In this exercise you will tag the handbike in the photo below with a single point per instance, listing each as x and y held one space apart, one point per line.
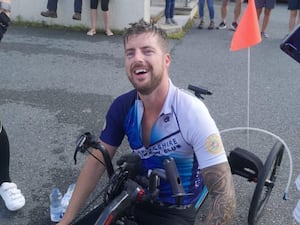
126 188
247 165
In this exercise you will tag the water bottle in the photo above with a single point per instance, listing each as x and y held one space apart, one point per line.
66 199
296 212
298 182
55 205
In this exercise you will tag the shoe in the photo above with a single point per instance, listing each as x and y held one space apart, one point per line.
109 33
168 21
48 13
12 196
222 26
264 35
211 25
173 22
234 26
91 32
76 16
201 24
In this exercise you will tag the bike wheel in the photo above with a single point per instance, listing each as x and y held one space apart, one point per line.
265 184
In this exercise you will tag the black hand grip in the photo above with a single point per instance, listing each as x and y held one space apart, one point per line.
174 180
199 91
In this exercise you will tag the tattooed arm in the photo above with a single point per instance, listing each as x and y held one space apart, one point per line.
218 180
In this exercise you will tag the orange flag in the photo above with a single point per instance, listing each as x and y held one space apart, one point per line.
247 33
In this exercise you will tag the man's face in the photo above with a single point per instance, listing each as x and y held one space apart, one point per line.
146 63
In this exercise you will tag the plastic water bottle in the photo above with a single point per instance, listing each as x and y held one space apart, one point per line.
55 205
296 212
66 199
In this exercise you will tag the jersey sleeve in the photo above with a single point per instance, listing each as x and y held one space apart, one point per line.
202 133
113 131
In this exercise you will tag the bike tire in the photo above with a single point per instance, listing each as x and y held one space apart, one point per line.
265 184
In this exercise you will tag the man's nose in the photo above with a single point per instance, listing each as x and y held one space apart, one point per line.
138 56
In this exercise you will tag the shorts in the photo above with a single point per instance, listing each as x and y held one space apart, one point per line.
294 5
104 4
268 4
149 214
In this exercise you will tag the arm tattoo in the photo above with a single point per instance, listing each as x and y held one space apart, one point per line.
218 179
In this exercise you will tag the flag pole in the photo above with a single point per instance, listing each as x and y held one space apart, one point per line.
248 100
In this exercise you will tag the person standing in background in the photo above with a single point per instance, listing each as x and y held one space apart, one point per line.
236 14
169 12
211 10
105 11
268 5
294 7
11 195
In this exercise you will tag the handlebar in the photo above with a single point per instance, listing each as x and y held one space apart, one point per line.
199 91
86 141
125 182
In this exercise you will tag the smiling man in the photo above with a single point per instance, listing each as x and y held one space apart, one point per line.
161 121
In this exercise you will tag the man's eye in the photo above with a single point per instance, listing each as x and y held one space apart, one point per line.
129 54
148 52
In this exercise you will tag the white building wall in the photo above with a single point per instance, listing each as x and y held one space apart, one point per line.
122 12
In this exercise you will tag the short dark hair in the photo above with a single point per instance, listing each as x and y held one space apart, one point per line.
142 27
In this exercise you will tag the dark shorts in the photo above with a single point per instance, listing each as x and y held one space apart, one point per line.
268 4
104 4
149 214
294 4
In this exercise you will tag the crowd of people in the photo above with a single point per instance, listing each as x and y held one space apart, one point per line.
52 12
262 6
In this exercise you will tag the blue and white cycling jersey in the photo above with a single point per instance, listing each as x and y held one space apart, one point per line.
184 131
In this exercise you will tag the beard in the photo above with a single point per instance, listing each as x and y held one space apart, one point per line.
152 81
148 88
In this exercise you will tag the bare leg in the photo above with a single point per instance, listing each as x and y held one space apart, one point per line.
237 10
258 11
266 20
292 19
92 31
224 10
298 21
106 23
93 19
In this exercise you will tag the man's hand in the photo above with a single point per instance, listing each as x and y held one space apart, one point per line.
218 180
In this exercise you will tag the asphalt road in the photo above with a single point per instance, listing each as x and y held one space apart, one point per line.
56 84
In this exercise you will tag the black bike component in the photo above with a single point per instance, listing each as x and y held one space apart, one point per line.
80 146
124 192
265 184
132 192
245 164
87 140
199 91
174 180
131 163
154 181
